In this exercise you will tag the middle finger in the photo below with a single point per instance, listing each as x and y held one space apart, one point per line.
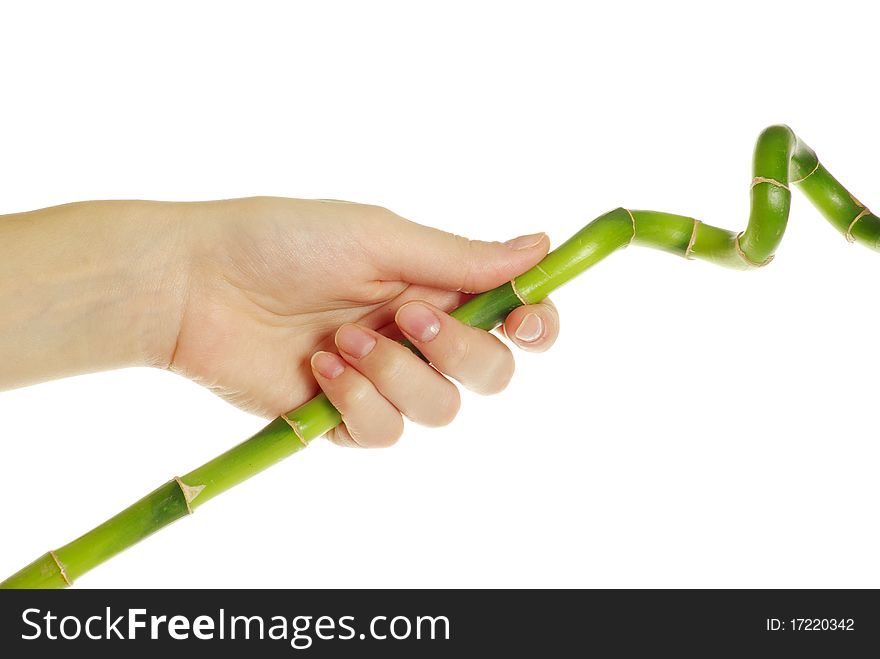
476 358
408 383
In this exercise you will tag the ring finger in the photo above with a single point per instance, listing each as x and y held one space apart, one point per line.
416 389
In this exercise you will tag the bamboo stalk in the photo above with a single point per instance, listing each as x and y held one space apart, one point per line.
780 159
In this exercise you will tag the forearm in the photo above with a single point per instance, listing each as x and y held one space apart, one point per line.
87 287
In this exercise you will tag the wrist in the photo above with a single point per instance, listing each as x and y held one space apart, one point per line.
90 286
152 267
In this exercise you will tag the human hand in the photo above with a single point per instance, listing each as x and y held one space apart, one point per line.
263 300
284 296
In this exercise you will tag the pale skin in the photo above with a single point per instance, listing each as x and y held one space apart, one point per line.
264 301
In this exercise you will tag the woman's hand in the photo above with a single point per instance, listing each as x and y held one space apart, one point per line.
288 295
264 300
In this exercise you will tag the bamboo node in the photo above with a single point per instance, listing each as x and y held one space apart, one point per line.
772 181
812 171
516 292
294 426
742 254
855 201
690 245
633 220
850 238
190 492
61 569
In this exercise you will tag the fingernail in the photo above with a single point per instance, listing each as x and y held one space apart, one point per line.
354 341
327 364
530 329
524 242
418 321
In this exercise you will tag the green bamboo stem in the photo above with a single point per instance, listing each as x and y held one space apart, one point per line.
780 160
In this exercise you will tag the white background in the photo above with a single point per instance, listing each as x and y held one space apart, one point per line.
692 427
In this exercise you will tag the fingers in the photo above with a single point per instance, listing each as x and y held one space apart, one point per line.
382 318
369 420
417 390
374 379
533 327
477 359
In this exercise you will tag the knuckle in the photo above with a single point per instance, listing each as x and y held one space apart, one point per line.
465 247
375 435
353 397
389 370
448 406
456 353
444 406
500 373
376 214
389 437
264 205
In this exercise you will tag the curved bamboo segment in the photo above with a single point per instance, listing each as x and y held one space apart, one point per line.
780 160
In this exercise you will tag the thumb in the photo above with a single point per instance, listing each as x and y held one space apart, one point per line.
430 257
